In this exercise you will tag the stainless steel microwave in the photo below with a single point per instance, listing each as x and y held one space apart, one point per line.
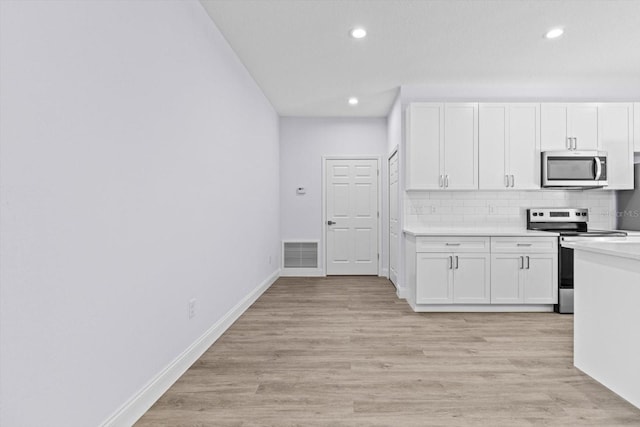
574 169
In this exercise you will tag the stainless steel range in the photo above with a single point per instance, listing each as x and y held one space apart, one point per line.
572 225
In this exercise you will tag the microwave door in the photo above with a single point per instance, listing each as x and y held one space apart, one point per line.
571 169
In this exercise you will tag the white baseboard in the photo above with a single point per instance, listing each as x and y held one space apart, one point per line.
384 273
401 292
140 403
482 308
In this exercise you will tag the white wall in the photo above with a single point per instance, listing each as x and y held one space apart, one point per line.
303 142
139 169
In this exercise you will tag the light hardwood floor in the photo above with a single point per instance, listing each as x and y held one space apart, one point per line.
344 351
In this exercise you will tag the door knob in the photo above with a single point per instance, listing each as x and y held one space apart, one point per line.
330 222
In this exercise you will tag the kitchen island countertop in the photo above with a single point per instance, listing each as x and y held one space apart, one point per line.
624 249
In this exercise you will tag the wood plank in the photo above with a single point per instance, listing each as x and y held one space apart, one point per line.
344 351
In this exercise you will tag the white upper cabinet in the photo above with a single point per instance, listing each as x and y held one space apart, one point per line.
615 129
442 146
424 146
569 126
460 146
509 145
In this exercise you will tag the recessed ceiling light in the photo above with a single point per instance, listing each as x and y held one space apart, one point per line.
353 101
554 33
358 33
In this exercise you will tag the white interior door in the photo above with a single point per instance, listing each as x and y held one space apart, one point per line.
352 216
393 218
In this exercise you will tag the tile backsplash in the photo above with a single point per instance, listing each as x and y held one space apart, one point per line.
502 209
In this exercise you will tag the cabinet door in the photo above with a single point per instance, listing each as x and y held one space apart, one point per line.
492 146
461 146
616 138
424 154
471 279
540 284
506 283
523 156
554 130
434 278
583 125
560 122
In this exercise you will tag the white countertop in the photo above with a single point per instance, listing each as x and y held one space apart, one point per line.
475 231
615 248
631 233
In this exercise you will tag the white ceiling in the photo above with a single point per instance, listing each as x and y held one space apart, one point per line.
301 54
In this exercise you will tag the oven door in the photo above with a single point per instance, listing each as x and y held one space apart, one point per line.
565 281
574 169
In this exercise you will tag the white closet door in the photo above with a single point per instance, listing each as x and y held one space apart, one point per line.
352 216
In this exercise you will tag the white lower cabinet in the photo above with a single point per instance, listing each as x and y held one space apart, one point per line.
524 270
453 271
527 278
452 278
484 270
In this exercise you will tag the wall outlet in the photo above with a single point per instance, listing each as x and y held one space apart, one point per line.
192 308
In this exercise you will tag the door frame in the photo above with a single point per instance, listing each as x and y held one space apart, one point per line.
394 152
324 206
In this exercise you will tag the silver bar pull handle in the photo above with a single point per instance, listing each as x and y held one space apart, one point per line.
440 181
569 143
506 180
527 263
521 263
452 244
456 262
446 181
450 262
513 181
524 244
598 167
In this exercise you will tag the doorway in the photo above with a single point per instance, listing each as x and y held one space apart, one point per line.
351 215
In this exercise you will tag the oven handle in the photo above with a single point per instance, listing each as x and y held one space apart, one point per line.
598 167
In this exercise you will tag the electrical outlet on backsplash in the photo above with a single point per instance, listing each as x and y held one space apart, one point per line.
502 209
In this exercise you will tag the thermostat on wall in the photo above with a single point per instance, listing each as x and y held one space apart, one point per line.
301 190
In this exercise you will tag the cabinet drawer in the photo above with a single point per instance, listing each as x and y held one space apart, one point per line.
524 244
452 244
